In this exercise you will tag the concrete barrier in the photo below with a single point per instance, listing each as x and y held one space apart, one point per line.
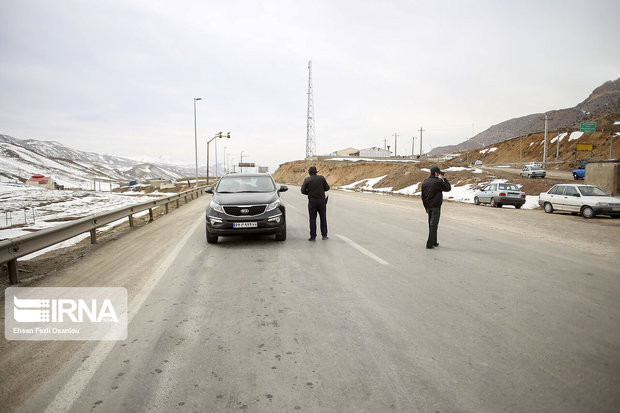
605 175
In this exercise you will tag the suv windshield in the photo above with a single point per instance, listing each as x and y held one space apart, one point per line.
591 190
237 184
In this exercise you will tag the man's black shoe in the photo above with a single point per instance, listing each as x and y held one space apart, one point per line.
311 239
436 245
325 237
429 247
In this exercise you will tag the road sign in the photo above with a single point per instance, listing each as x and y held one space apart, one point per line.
584 146
246 165
263 169
588 127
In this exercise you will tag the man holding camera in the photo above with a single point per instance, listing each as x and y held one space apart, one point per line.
433 188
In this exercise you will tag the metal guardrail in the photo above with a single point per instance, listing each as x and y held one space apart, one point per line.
12 249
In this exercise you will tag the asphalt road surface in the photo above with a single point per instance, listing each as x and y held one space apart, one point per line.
506 315
551 173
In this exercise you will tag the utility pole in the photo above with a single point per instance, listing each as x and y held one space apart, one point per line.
611 144
395 144
412 147
421 130
521 149
547 118
310 140
385 143
240 162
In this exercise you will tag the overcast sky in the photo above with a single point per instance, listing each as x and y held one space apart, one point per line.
119 77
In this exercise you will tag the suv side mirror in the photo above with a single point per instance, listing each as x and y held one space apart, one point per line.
209 190
283 188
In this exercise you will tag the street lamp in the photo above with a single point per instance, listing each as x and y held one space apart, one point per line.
240 162
217 135
196 141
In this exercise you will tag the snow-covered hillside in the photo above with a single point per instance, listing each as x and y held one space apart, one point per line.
20 159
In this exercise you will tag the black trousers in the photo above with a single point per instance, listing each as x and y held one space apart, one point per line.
433 224
317 206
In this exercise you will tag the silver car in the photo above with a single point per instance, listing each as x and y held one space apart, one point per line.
498 194
533 171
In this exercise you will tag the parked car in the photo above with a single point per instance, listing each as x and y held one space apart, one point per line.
539 164
532 171
500 194
478 162
246 203
580 173
587 200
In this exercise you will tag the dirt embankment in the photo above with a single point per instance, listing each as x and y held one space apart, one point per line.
399 174
530 149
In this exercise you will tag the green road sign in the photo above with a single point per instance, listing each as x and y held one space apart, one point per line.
588 127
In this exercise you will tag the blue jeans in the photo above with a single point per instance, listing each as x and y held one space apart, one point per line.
317 206
433 224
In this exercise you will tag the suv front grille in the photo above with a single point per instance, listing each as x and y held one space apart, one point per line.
252 210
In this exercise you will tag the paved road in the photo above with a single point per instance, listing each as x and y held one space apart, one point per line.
551 173
367 321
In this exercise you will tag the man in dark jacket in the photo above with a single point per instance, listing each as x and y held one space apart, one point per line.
432 198
315 187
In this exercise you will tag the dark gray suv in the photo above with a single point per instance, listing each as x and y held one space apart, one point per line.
246 203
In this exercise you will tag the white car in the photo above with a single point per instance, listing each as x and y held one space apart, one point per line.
587 200
531 171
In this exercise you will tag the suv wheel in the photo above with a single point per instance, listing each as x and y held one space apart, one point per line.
281 236
587 212
575 177
211 239
548 208
476 201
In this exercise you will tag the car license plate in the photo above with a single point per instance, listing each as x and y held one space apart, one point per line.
513 195
245 225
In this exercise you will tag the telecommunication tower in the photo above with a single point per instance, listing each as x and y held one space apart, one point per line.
310 142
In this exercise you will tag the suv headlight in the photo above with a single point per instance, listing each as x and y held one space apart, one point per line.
273 205
216 207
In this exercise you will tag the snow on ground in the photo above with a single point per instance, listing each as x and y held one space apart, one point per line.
25 209
463 193
368 186
560 137
489 150
410 190
574 136
372 159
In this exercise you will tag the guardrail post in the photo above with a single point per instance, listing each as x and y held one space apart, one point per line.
178 205
150 214
166 207
131 221
93 236
13 273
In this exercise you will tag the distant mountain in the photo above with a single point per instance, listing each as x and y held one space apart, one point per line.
22 158
604 100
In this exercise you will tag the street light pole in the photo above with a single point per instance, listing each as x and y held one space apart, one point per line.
240 162
225 160
196 141
217 135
